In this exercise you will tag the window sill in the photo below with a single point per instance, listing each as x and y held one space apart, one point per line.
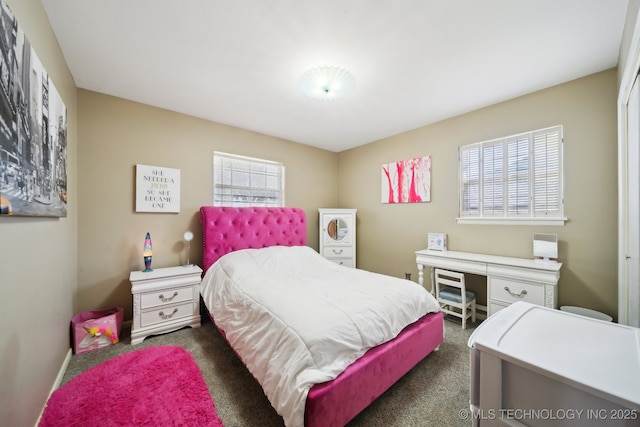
514 221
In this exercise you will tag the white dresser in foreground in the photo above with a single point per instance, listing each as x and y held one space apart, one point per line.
164 300
338 235
535 366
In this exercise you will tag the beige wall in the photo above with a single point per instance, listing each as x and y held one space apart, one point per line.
388 235
116 135
52 268
38 260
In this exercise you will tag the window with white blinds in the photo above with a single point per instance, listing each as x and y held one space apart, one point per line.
247 181
515 178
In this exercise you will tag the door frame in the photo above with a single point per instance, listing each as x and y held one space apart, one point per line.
629 74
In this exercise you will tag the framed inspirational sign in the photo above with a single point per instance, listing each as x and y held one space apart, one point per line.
157 189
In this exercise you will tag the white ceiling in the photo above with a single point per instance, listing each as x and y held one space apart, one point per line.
416 62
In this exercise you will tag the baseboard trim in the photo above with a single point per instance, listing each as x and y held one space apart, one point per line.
62 371
58 381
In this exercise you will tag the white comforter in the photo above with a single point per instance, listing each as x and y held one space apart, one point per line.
297 319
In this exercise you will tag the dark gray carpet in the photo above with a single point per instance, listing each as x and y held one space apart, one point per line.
434 393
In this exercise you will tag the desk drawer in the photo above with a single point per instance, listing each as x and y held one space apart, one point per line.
166 296
511 291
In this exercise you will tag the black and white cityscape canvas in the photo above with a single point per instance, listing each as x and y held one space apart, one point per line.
33 130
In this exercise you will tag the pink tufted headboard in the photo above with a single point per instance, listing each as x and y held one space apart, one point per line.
227 229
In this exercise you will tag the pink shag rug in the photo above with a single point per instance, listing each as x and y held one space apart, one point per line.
156 386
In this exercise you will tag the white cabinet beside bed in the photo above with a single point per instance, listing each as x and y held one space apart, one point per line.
164 300
338 235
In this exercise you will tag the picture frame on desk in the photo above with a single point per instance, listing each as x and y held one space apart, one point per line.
437 241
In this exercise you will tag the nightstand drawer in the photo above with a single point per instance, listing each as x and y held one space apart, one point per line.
167 296
166 314
337 252
511 291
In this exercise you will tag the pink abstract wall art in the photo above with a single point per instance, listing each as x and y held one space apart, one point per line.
406 181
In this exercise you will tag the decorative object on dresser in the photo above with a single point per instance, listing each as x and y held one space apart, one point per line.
509 279
188 237
545 246
338 235
437 241
164 300
147 253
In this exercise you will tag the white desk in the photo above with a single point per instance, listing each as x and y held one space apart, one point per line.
508 279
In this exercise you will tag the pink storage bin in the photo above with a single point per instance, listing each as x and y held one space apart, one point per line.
96 329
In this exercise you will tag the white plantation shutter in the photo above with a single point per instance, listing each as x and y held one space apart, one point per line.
470 180
547 190
247 181
492 179
516 177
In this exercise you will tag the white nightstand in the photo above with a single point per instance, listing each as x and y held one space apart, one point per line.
164 300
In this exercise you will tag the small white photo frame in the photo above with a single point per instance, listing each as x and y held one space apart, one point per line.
437 242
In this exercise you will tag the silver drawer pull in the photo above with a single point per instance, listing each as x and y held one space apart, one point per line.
520 295
167 316
165 299
337 252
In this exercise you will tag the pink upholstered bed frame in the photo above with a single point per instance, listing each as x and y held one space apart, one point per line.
334 403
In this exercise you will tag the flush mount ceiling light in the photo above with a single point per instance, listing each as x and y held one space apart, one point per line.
327 82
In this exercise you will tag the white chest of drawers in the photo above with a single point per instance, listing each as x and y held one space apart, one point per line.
164 300
338 236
